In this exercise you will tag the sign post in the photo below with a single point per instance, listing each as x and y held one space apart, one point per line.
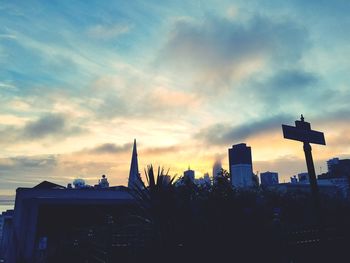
302 132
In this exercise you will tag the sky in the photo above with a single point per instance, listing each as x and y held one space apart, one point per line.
188 79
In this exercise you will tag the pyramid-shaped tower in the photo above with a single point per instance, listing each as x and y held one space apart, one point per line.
134 175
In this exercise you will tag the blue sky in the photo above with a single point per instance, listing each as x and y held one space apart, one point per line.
80 80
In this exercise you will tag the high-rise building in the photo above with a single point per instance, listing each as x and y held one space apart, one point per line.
216 169
241 168
189 175
134 175
268 178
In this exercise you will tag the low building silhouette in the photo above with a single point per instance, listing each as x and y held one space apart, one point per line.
338 174
6 231
336 168
268 178
303 177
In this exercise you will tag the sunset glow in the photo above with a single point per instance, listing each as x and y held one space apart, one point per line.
187 79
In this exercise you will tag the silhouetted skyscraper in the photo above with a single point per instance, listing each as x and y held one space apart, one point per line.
134 175
241 168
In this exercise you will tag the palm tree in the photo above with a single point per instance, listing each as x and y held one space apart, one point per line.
156 204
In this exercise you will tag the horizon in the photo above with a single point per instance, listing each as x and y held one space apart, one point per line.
78 82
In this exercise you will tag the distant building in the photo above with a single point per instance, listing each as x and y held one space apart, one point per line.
338 174
339 168
134 175
268 178
6 230
241 168
189 175
216 169
331 163
203 181
294 179
303 178
102 183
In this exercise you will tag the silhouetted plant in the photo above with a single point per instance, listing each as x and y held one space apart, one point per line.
243 224
157 204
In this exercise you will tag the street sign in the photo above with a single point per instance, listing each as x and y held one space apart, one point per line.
298 134
302 132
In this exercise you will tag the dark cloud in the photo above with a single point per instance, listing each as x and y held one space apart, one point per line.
111 148
333 116
215 50
292 79
27 163
223 134
49 125
285 87
24 170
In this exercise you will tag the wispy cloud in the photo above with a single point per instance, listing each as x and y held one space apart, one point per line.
107 32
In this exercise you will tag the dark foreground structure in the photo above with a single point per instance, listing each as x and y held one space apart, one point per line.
47 219
167 223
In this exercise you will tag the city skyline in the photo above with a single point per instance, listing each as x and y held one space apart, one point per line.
78 82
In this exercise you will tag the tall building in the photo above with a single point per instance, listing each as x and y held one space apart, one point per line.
268 178
241 168
189 175
216 169
134 175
